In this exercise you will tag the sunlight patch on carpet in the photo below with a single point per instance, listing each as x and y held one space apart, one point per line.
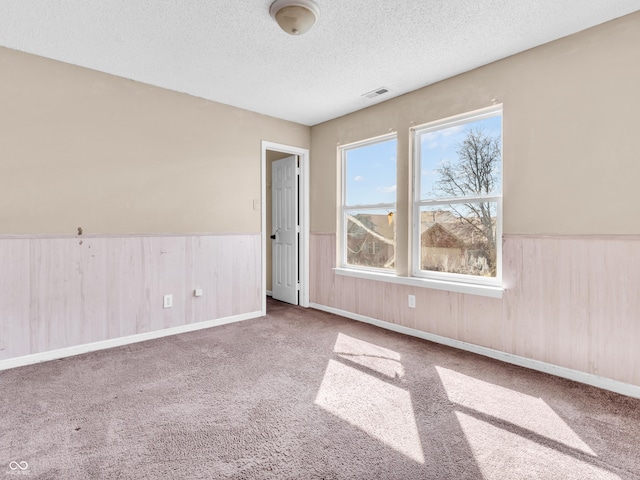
497 450
374 357
380 409
531 414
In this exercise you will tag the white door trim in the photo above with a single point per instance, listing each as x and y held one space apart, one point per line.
303 211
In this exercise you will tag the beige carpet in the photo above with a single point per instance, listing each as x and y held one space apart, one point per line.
301 394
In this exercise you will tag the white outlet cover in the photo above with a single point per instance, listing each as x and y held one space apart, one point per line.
168 301
412 301
197 292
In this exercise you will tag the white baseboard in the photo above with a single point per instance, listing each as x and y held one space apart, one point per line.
269 293
582 377
118 342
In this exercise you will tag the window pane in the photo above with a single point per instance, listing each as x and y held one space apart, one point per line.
459 238
371 238
371 174
463 160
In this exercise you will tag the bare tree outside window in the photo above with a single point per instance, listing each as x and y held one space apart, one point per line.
458 194
476 172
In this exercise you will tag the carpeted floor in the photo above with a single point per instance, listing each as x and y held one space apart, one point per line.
301 394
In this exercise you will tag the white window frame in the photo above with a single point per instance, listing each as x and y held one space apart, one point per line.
446 277
344 208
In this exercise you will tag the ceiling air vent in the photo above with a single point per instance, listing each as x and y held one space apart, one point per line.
376 93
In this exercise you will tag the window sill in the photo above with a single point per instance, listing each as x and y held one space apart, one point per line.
469 288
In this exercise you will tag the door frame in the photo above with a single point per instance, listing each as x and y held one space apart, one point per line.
303 213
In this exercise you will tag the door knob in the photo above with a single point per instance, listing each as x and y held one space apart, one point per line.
273 237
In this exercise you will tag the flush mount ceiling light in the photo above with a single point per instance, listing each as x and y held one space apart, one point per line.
295 16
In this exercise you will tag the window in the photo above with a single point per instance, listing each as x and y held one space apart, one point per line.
368 204
455 217
458 199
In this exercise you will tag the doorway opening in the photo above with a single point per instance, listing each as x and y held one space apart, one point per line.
272 152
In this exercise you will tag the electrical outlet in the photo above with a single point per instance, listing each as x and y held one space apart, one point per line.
256 204
197 292
168 301
412 301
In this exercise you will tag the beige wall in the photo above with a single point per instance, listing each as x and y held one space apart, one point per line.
571 170
80 148
571 153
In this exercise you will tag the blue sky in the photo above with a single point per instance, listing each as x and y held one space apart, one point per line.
371 170
371 174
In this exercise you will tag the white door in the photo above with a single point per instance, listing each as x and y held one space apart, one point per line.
284 229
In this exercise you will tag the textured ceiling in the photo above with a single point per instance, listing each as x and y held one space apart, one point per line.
233 52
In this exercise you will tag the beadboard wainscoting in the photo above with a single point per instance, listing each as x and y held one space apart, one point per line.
59 293
569 301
